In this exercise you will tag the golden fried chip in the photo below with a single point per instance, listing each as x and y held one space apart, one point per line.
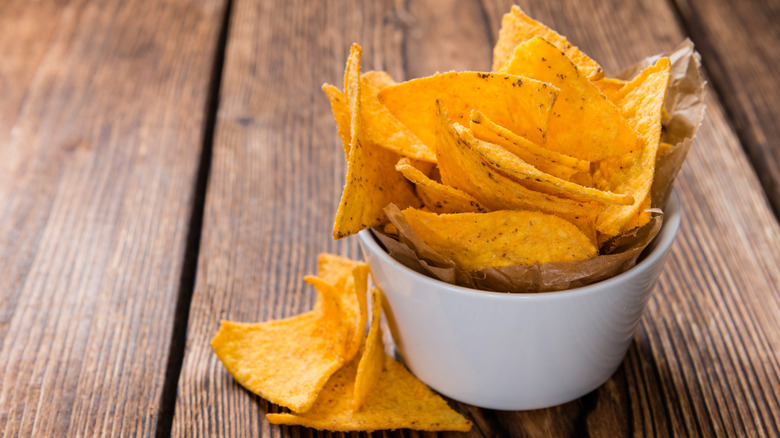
641 102
464 168
610 87
341 113
546 160
511 165
398 401
383 128
519 104
436 196
500 238
372 181
584 123
517 27
286 361
373 358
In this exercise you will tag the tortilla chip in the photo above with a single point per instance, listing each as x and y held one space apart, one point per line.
398 401
546 160
381 127
584 123
610 87
641 102
286 361
372 181
340 110
500 238
519 104
436 196
517 27
512 166
372 360
464 168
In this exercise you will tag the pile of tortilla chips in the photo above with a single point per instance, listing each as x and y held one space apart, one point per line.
325 369
543 160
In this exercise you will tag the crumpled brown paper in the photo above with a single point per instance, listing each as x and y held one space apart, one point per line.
685 106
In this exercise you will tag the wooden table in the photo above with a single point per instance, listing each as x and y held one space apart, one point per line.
165 165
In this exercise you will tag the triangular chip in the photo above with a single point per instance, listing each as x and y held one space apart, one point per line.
464 168
584 123
519 104
341 113
500 238
372 181
546 160
641 102
512 166
436 196
390 397
381 127
517 27
286 361
373 357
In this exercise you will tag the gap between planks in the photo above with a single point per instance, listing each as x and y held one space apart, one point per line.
189 271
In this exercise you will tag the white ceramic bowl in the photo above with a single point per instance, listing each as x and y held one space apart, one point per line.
516 351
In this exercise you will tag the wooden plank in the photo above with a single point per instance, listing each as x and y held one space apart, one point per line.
101 129
702 361
739 44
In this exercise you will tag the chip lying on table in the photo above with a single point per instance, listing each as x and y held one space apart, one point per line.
325 369
544 136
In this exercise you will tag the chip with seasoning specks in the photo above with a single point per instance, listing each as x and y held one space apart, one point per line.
519 104
584 123
372 181
500 238
517 27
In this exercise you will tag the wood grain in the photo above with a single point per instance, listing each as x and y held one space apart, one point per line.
742 57
703 361
101 128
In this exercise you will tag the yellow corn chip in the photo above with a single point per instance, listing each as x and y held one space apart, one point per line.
546 160
641 102
397 401
341 113
517 27
372 360
610 87
519 104
372 181
510 165
584 123
436 196
381 127
286 361
500 238
464 168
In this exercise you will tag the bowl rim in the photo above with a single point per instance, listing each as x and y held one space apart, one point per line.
658 248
